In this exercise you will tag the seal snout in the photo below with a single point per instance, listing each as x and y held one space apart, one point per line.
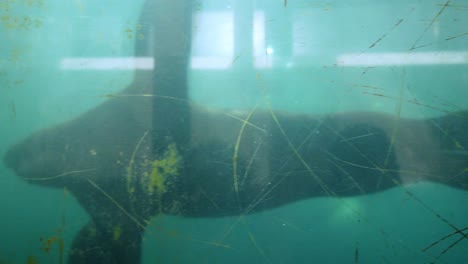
10 159
22 159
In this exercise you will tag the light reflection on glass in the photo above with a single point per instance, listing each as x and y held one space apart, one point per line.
213 40
100 64
403 58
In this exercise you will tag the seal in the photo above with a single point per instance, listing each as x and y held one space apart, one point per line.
148 151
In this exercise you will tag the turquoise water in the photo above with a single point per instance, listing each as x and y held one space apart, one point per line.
302 74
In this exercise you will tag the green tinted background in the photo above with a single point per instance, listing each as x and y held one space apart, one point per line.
389 227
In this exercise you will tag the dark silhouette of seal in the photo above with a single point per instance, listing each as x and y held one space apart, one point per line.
149 151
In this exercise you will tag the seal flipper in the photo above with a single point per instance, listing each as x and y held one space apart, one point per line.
116 238
106 245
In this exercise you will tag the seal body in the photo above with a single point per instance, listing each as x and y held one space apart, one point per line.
230 166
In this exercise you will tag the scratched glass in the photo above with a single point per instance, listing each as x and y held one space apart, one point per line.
210 131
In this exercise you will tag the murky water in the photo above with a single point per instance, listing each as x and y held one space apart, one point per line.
254 66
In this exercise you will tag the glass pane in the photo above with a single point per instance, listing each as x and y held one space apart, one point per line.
157 131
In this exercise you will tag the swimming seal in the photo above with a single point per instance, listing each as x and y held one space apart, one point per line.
134 157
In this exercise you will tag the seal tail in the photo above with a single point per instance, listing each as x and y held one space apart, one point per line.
452 133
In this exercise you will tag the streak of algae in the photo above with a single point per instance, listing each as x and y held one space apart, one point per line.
31 260
162 169
154 175
117 232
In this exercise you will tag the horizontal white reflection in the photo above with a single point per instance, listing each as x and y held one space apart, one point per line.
139 63
403 58
211 63
102 64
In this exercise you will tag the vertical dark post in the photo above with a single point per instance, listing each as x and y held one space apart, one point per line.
167 27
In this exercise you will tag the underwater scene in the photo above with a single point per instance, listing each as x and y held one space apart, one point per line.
233 131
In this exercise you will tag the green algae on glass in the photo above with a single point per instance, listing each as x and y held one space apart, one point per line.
134 31
153 176
15 14
163 169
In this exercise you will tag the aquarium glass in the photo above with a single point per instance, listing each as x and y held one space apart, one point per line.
234 131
